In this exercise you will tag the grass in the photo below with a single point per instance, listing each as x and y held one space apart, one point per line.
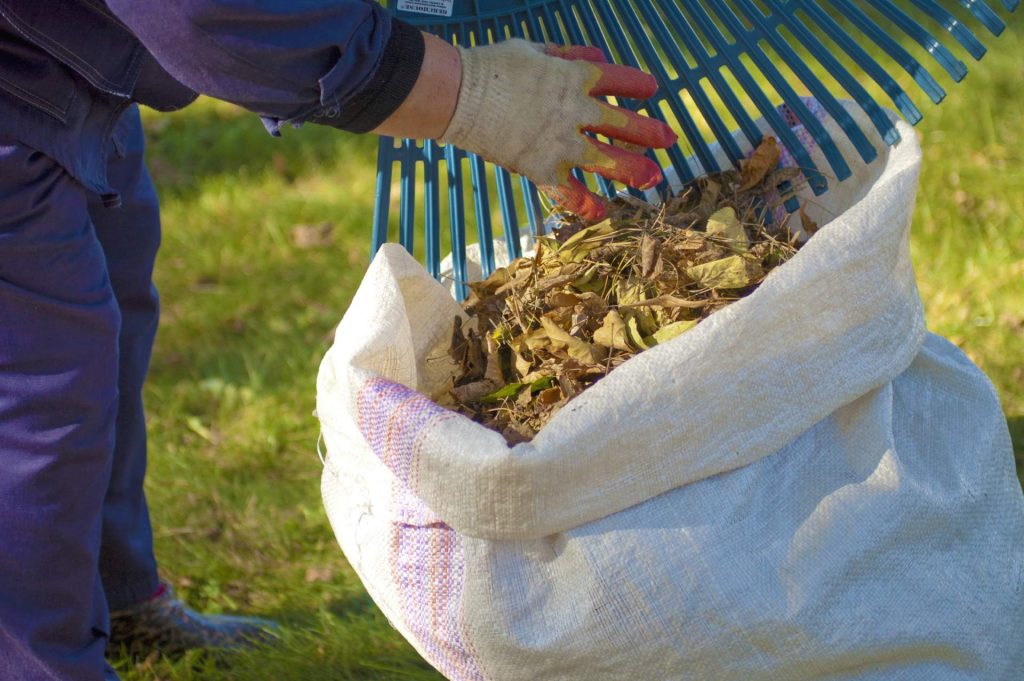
248 313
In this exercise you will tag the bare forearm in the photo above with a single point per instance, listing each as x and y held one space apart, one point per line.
427 110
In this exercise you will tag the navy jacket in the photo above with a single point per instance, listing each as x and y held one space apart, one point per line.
68 68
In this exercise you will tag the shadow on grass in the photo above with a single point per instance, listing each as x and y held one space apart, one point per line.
188 148
355 605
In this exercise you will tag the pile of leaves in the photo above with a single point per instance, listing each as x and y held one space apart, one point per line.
540 331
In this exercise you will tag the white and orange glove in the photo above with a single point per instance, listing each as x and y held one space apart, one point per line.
526 106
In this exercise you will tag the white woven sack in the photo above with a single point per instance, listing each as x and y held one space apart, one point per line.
805 486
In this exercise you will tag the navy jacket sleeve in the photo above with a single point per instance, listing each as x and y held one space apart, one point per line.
346 63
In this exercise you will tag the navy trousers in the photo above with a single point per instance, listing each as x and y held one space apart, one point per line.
78 315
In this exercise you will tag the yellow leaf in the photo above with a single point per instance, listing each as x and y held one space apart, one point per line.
728 273
582 351
522 365
556 333
670 331
579 350
535 339
577 247
633 331
724 224
630 291
612 333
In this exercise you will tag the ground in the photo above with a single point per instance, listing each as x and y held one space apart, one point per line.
250 304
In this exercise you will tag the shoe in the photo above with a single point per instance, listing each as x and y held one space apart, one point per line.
165 624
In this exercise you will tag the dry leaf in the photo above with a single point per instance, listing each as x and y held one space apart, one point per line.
650 257
763 160
809 225
667 333
636 337
728 273
471 392
612 333
668 301
723 223
544 329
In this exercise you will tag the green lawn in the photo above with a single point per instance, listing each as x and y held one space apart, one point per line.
248 313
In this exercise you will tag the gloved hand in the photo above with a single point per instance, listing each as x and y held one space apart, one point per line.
526 106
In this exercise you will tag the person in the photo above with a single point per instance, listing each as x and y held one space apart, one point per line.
80 227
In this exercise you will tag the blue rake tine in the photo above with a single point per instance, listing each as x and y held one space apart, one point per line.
782 86
963 35
694 48
456 218
983 13
407 205
839 73
432 208
953 66
816 87
705 69
534 211
508 213
691 84
877 35
382 193
731 56
481 200
871 67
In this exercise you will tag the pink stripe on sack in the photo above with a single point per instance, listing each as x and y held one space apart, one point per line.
426 556
786 160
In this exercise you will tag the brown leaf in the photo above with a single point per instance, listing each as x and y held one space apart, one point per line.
636 337
308 237
522 365
550 396
809 225
577 349
764 159
520 279
562 299
473 362
492 360
475 390
650 257
457 348
548 283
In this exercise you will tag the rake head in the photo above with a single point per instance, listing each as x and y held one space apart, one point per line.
719 64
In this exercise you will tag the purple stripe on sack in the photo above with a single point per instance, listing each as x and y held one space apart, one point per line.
428 566
392 418
425 556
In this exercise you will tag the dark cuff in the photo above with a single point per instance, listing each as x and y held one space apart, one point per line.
390 85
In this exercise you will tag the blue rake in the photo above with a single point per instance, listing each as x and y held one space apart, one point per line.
702 53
